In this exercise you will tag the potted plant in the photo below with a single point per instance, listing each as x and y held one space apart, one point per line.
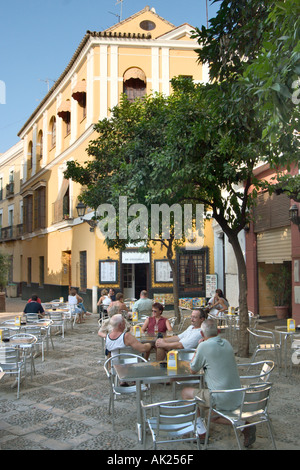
4 270
279 283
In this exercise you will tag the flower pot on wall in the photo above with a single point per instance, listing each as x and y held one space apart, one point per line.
282 312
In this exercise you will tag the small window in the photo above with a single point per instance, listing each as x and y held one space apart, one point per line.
147 25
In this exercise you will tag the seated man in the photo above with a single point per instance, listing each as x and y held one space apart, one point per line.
33 306
215 356
144 305
119 338
189 339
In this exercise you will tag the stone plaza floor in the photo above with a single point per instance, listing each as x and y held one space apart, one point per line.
65 406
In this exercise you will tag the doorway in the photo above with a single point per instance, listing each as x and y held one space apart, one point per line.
134 279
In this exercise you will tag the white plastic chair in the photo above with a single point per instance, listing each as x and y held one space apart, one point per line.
172 422
254 406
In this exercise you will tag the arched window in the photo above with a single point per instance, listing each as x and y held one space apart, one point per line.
134 83
53 131
40 146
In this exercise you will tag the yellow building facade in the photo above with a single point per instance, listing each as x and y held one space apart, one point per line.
57 249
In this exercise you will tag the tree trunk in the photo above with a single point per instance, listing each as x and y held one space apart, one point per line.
2 302
243 345
173 264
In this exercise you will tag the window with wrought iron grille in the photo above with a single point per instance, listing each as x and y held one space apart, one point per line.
192 270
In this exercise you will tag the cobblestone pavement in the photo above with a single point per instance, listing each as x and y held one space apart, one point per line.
65 406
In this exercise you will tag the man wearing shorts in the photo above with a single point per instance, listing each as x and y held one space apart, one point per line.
216 357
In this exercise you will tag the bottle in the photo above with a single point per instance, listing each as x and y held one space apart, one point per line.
155 329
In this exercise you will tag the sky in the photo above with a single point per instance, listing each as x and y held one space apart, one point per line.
39 37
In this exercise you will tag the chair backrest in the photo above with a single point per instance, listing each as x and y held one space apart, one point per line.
127 350
47 306
172 321
186 354
21 336
9 355
173 416
257 371
33 330
56 316
255 399
123 358
30 317
262 334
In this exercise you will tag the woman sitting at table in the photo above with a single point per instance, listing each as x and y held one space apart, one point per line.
119 302
156 323
219 303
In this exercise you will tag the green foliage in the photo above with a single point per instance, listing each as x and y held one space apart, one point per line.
4 271
279 283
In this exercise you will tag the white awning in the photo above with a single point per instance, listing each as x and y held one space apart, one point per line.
135 257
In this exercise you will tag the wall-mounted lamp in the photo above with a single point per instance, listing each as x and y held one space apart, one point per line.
81 208
293 215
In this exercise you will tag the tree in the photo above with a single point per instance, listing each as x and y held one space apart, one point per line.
123 165
199 145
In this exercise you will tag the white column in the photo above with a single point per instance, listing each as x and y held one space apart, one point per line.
103 82
25 151
114 82
45 138
165 71
34 141
74 113
90 88
94 298
155 70
58 127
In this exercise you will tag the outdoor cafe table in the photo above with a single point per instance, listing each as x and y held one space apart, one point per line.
21 343
284 336
43 323
151 372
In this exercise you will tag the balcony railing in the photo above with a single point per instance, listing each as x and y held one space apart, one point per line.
10 189
12 232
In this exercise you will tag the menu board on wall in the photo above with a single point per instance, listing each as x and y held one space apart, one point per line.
162 271
211 285
108 272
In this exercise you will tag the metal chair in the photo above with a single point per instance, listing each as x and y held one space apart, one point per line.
172 422
184 355
185 314
260 337
254 406
31 317
172 321
26 348
256 372
40 337
295 352
58 322
117 391
12 363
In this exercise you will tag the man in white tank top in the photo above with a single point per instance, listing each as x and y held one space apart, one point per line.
118 338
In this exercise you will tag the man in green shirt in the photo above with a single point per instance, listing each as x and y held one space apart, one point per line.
216 357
